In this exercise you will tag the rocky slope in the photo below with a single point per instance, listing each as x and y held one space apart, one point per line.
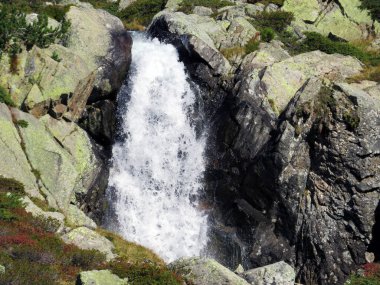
293 157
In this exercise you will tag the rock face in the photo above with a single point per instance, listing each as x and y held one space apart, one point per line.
342 18
293 149
278 273
199 271
91 67
100 277
85 238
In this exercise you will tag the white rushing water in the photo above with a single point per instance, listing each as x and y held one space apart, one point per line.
157 170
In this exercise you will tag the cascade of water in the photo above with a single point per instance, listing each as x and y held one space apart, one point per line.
157 170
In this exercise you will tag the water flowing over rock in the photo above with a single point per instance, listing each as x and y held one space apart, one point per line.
156 177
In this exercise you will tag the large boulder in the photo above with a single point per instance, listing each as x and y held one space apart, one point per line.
342 18
279 273
100 277
60 155
97 45
85 238
51 221
283 79
202 271
15 164
102 42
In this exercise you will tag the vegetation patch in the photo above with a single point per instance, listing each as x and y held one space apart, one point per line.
371 276
267 34
371 73
22 124
373 6
5 97
56 12
187 6
315 41
141 12
16 32
252 45
276 20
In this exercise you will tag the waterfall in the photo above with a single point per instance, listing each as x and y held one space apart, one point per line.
158 167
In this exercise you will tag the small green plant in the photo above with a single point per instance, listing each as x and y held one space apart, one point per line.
6 98
277 20
55 56
252 45
9 202
351 119
22 124
267 34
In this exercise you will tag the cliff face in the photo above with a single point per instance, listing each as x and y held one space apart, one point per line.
293 150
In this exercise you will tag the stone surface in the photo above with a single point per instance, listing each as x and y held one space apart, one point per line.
82 151
201 271
54 221
88 239
14 162
102 42
343 18
99 120
279 273
125 3
283 79
100 277
76 218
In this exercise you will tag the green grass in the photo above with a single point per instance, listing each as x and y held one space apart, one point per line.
187 6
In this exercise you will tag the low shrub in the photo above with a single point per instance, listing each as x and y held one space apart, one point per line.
251 46
5 97
277 20
267 34
87 259
9 202
187 6
15 32
316 41
373 6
